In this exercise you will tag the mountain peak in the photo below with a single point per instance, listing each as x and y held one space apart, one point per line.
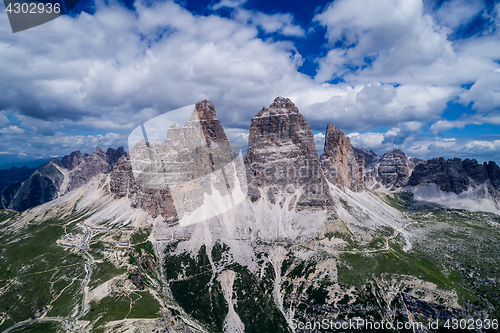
280 107
282 155
72 160
331 128
281 103
395 151
342 166
205 110
210 125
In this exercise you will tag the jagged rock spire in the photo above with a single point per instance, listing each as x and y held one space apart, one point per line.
282 155
341 165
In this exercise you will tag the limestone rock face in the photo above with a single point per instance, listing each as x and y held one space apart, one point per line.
341 164
122 184
455 175
282 155
72 161
210 125
56 178
193 164
97 162
370 157
392 171
43 186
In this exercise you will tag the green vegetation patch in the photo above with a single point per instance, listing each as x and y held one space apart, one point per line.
146 246
254 302
193 288
40 327
357 269
104 271
121 306
38 272
140 236
145 306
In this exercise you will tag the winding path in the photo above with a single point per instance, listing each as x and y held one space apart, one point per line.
88 270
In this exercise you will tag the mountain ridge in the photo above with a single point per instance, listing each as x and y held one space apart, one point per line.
280 143
57 178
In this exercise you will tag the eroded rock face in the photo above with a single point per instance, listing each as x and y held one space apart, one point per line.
98 162
72 161
8 193
341 165
392 171
175 177
123 184
43 186
56 178
455 175
282 155
212 129
370 157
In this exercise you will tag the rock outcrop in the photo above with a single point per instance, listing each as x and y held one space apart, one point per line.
56 178
98 162
43 186
282 156
394 170
123 184
210 125
390 172
72 160
175 177
455 175
341 165
371 158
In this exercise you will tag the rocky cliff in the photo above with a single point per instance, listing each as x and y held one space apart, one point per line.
43 186
175 177
72 160
282 156
388 172
341 165
394 171
156 201
455 175
370 157
281 160
56 178
97 162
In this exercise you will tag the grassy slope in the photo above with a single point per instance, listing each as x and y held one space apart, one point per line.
36 273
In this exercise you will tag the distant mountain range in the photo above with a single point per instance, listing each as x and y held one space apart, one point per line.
56 178
13 175
29 164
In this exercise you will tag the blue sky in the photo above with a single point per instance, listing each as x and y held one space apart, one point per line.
422 76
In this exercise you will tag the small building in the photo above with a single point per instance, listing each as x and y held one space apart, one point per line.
123 244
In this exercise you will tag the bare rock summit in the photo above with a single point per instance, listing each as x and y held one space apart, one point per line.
282 156
341 164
